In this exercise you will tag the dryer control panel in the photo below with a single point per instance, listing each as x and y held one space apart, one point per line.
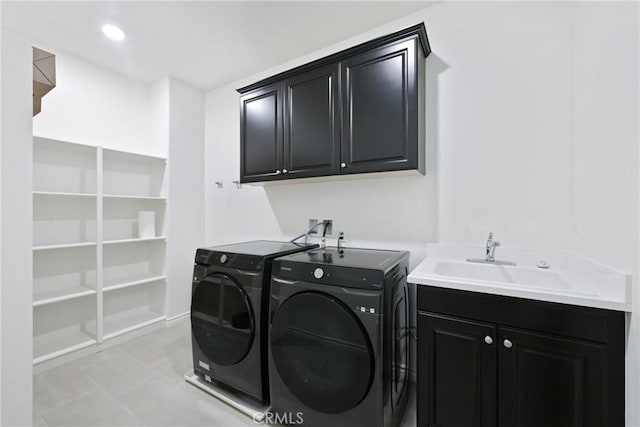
348 277
231 260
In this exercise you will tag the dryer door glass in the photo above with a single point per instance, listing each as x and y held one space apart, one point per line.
222 320
322 352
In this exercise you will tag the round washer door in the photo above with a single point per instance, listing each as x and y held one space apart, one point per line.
222 320
322 352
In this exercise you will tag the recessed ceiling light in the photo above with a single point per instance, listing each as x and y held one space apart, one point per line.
113 32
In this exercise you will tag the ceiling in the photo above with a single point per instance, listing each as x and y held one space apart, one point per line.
204 43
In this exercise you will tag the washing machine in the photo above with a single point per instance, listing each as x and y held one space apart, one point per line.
229 300
338 337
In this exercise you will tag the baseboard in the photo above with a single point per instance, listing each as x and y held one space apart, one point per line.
95 348
177 318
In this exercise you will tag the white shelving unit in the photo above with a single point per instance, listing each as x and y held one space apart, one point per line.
63 327
127 309
95 278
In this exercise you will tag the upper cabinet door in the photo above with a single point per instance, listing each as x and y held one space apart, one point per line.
381 109
261 134
311 124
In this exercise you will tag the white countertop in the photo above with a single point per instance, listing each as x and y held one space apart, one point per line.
570 279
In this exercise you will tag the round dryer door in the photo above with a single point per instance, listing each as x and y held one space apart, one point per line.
322 352
222 321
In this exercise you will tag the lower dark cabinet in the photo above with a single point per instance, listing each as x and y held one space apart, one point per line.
512 368
550 381
457 372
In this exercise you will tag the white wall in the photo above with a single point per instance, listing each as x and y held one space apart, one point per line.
532 129
186 188
91 105
16 231
499 99
94 106
605 152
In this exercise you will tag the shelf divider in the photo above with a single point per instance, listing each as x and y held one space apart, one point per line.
63 246
100 246
134 197
113 285
62 194
78 292
133 240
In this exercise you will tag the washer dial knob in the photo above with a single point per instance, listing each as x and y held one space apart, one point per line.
318 273
223 259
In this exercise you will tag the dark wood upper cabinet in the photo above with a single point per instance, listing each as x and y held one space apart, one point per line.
380 107
359 110
311 123
261 134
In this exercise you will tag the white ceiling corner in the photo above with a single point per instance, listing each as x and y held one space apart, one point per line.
206 44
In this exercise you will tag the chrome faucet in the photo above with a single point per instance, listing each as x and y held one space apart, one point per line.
491 248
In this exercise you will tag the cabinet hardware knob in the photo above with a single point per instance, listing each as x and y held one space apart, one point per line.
343 165
488 339
507 343
277 171
284 171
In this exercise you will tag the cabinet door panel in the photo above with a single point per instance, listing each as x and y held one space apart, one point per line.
380 104
261 134
456 372
312 132
550 381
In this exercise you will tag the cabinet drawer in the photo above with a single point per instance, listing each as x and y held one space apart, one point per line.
559 319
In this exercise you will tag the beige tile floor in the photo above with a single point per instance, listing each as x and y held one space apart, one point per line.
137 383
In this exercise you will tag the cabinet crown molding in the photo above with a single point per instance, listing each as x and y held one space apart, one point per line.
419 31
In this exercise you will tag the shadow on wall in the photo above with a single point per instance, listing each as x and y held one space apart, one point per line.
380 207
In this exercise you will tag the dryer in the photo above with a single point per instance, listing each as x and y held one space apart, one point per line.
229 300
339 345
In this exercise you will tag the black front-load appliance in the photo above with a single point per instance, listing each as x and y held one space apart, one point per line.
339 347
229 298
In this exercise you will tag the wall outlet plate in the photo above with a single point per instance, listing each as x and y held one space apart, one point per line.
312 223
320 228
329 226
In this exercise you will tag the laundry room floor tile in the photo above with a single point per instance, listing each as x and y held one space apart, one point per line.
119 373
138 383
59 386
96 409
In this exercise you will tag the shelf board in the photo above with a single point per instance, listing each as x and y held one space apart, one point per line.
136 240
111 285
49 141
119 324
72 292
58 343
63 246
127 196
63 194
121 153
